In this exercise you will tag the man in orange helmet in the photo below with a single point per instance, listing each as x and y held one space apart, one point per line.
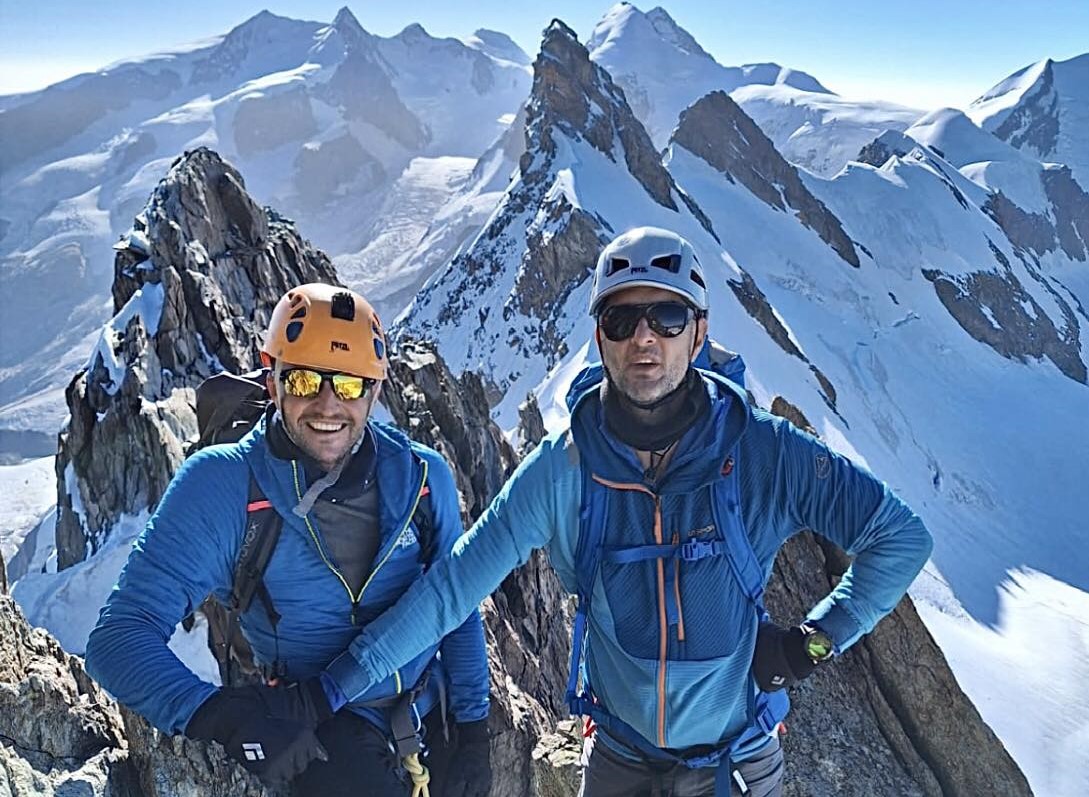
360 512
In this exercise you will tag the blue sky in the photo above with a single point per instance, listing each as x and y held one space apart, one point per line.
926 53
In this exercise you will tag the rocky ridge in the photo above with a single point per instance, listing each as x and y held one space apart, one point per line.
540 242
195 281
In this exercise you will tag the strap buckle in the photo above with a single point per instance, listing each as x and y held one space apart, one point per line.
694 550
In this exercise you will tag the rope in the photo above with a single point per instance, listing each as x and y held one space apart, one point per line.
419 774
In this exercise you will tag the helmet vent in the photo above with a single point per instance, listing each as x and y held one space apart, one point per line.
696 278
300 313
294 329
617 264
343 306
670 263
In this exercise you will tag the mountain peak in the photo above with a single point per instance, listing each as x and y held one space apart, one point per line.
497 45
346 20
558 33
669 30
263 20
413 32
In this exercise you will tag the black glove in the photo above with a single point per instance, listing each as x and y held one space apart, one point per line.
470 772
780 659
269 730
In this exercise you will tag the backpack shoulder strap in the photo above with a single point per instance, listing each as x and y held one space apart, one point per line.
587 561
263 526
739 551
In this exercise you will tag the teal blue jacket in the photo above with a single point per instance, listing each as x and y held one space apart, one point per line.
189 550
789 481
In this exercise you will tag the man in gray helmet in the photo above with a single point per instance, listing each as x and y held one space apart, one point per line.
663 504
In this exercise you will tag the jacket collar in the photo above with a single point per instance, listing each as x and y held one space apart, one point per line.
397 472
700 454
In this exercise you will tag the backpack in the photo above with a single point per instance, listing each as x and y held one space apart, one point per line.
770 708
228 406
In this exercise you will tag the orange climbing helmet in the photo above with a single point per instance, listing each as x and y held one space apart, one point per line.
328 328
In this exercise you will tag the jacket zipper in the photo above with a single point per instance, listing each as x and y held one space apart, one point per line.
677 589
393 546
663 623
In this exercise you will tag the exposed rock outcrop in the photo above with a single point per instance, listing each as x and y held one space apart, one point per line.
716 130
194 283
60 734
994 308
527 621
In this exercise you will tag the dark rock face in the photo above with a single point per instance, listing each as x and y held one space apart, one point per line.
888 717
321 169
1070 205
992 307
716 130
215 263
1034 123
364 91
1066 227
528 624
885 146
573 95
266 122
1032 232
536 234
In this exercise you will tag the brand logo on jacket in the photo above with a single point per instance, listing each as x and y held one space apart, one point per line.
253 751
407 539
824 466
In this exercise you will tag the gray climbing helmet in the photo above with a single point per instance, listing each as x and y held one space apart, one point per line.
649 257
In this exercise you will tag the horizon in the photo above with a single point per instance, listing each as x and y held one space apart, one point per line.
882 63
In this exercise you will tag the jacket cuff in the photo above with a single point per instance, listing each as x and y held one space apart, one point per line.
837 622
349 677
333 694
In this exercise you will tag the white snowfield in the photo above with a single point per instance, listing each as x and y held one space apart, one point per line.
989 450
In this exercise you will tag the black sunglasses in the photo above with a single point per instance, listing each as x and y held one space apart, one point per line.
666 319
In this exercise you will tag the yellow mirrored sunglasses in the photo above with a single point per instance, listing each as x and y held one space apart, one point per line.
306 383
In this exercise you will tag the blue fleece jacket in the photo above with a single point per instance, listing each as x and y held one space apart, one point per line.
788 481
191 545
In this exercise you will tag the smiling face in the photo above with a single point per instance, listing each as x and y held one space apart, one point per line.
647 366
325 427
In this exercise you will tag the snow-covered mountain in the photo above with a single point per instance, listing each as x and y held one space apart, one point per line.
663 70
360 138
895 304
1043 110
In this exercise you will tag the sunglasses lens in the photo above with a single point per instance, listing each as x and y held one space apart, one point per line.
667 319
619 321
302 383
349 388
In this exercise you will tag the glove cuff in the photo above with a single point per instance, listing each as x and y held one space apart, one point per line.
476 731
801 666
